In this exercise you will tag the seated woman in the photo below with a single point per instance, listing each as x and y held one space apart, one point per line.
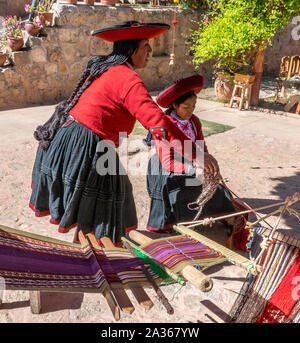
170 190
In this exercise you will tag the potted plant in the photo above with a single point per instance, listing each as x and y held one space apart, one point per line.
43 10
34 27
13 32
3 44
108 2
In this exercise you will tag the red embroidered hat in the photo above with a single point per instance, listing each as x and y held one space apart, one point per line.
168 96
130 30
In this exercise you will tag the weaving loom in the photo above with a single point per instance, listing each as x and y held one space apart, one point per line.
273 296
180 255
37 263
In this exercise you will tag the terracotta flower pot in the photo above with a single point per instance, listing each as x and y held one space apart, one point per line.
223 88
32 29
15 44
108 2
89 2
2 59
46 17
73 2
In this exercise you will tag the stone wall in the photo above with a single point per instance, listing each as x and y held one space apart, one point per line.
14 7
48 69
283 44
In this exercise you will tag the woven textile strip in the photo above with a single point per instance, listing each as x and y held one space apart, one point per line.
186 251
36 262
282 302
260 293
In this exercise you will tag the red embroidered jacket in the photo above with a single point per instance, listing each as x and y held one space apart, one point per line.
172 161
114 101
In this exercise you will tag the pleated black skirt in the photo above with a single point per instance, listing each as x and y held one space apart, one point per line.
170 197
72 184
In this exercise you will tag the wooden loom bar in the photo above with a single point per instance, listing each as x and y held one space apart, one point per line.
107 292
231 255
138 292
190 273
120 294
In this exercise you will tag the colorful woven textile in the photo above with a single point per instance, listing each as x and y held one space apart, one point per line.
282 302
178 251
273 295
35 262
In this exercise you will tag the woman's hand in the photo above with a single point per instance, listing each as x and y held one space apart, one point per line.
210 165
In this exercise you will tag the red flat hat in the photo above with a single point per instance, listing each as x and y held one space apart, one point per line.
130 30
167 97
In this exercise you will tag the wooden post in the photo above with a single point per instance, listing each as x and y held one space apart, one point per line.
258 67
195 276
35 301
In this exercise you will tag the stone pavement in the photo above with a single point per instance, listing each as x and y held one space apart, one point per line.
259 159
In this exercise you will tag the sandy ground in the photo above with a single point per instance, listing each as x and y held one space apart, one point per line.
259 159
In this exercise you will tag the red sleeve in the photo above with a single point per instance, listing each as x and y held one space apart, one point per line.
140 104
199 133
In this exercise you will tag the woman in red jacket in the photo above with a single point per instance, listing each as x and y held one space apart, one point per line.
170 190
70 181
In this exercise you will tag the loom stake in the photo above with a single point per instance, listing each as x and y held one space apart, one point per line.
108 294
158 291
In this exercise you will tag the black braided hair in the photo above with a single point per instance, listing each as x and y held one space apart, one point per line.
122 51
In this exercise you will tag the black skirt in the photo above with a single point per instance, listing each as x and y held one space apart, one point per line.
170 197
72 185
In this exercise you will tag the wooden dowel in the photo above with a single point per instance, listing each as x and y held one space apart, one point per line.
138 292
231 255
199 222
139 237
197 278
288 202
190 273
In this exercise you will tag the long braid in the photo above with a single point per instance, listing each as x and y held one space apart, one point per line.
96 66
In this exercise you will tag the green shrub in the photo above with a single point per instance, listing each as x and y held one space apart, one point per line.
231 32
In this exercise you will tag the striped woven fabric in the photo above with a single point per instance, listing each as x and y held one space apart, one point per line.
36 262
267 297
179 251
